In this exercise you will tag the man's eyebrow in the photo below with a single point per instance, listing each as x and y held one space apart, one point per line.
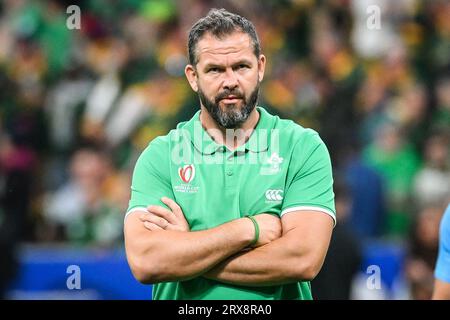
243 61
220 66
213 65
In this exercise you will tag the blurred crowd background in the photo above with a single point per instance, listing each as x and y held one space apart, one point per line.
78 106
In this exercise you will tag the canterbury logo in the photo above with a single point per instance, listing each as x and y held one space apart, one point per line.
274 195
187 173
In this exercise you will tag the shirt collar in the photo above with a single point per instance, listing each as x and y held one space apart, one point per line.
202 141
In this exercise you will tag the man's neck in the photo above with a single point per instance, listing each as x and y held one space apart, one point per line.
236 136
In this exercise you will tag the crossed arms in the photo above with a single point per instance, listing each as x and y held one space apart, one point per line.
160 247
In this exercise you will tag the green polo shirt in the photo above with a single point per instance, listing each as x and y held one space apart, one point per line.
282 168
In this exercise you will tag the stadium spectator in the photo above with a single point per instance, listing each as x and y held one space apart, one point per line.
423 252
79 211
432 182
344 256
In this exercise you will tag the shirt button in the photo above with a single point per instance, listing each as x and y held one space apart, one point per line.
229 173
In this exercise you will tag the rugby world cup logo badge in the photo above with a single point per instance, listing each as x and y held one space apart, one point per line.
187 173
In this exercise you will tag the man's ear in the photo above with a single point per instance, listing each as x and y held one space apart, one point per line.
191 75
261 67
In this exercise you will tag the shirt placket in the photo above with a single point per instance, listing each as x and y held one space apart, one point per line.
233 163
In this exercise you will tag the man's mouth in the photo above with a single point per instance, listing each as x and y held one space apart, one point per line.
231 99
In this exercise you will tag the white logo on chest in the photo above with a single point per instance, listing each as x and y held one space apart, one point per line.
272 166
274 195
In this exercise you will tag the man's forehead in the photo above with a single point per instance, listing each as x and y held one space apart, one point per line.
235 43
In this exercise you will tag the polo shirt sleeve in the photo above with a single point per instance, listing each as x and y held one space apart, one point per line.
310 182
151 177
442 271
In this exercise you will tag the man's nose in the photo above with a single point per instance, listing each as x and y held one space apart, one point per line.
230 80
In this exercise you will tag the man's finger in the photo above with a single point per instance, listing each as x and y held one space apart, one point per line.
151 218
163 213
176 209
152 226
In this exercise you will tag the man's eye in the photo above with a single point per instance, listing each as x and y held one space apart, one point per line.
213 70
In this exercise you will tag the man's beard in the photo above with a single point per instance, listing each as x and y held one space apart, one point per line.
232 116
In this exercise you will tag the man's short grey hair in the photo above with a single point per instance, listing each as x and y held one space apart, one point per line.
220 23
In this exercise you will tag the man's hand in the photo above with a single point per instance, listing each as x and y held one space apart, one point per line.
160 218
269 228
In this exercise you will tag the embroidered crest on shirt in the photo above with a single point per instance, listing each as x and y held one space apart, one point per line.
187 174
272 166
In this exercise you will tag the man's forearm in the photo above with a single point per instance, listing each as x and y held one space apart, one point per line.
159 256
278 262
441 290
